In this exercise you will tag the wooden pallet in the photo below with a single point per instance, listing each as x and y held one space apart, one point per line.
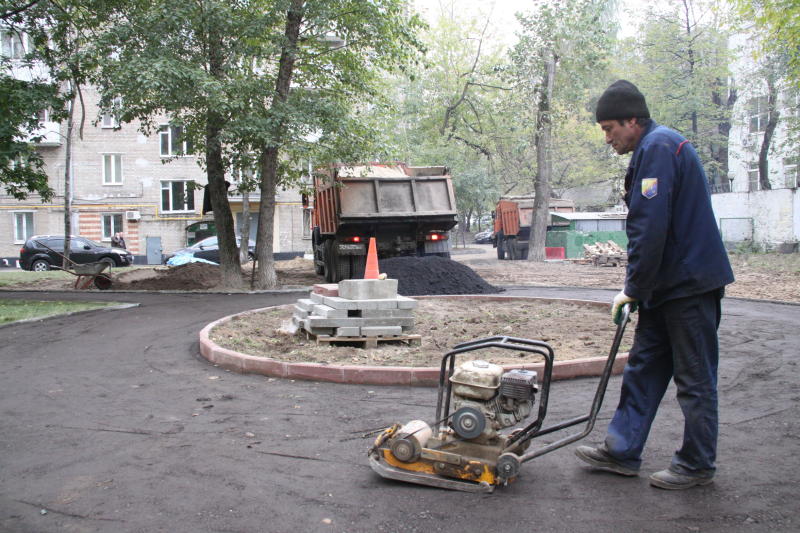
370 342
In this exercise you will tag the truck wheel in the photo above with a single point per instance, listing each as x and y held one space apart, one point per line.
501 246
339 264
342 268
511 249
319 258
327 257
357 266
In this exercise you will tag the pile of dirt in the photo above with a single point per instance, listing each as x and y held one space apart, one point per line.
431 275
188 277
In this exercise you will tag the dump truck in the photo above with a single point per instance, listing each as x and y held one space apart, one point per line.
512 224
409 211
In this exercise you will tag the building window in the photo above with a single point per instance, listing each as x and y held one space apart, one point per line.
112 223
112 169
177 196
23 226
13 44
111 119
758 110
791 171
752 176
171 141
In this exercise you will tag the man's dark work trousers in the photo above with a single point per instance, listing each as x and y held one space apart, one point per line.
676 339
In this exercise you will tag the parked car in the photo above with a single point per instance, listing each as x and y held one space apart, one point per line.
42 252
483 237
208 249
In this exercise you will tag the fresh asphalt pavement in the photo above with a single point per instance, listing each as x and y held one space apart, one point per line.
111 421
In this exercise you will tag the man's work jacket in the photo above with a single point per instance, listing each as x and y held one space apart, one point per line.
674 247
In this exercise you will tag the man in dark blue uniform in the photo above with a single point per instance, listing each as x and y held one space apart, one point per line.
676 275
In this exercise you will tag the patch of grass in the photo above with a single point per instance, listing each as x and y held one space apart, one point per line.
13 310
13 277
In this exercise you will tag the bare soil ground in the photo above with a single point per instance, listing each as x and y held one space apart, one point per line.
758 276
573 330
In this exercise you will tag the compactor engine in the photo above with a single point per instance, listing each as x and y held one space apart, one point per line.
486 399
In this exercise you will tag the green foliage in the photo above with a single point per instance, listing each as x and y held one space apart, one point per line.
679 60
48 77
579 34
573 38
446 112
21 167
160 60
778 23
581 157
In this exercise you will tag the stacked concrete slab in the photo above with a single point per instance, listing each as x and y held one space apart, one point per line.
355 308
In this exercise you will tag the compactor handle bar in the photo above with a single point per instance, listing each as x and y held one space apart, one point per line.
530 433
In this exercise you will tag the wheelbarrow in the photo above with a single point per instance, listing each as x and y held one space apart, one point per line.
86 273
89 273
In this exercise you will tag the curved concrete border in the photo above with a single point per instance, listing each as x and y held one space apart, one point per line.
385 375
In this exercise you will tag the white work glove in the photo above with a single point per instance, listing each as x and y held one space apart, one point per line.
616 306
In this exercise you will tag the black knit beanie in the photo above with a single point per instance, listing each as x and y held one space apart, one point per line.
621 100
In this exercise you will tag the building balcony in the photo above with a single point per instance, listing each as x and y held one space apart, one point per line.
48 135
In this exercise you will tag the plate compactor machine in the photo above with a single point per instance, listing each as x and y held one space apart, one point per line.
464 448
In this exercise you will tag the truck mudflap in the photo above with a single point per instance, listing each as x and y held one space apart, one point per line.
437 247
351 249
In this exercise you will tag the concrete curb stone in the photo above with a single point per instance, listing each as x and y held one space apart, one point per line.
386 375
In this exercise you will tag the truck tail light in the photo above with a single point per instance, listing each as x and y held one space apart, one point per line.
436 237
354 239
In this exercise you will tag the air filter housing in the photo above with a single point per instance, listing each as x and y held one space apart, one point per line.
518 384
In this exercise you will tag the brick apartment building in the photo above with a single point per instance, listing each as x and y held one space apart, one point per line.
140 185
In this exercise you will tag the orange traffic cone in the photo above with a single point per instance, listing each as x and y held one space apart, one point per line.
371 271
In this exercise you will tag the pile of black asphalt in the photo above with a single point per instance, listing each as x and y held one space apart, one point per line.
432 275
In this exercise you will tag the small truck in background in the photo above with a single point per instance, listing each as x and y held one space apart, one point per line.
409 211
512 224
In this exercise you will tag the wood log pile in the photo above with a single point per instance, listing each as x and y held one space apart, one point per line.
606 253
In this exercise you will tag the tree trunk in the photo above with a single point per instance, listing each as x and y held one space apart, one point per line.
266 278
720 154
769 131
68 180
544 167
230 267
244 229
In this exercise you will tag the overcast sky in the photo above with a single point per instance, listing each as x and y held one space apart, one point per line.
501 13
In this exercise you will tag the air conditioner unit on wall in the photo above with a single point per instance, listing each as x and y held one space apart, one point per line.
132 215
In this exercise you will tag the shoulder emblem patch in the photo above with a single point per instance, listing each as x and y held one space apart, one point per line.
649 187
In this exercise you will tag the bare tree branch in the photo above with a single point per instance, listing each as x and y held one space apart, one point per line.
16 11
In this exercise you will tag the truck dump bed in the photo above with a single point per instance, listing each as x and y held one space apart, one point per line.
354 194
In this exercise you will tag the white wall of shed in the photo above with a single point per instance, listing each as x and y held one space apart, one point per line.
775 214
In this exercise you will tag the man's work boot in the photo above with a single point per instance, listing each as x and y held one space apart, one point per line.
671 480
602 460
